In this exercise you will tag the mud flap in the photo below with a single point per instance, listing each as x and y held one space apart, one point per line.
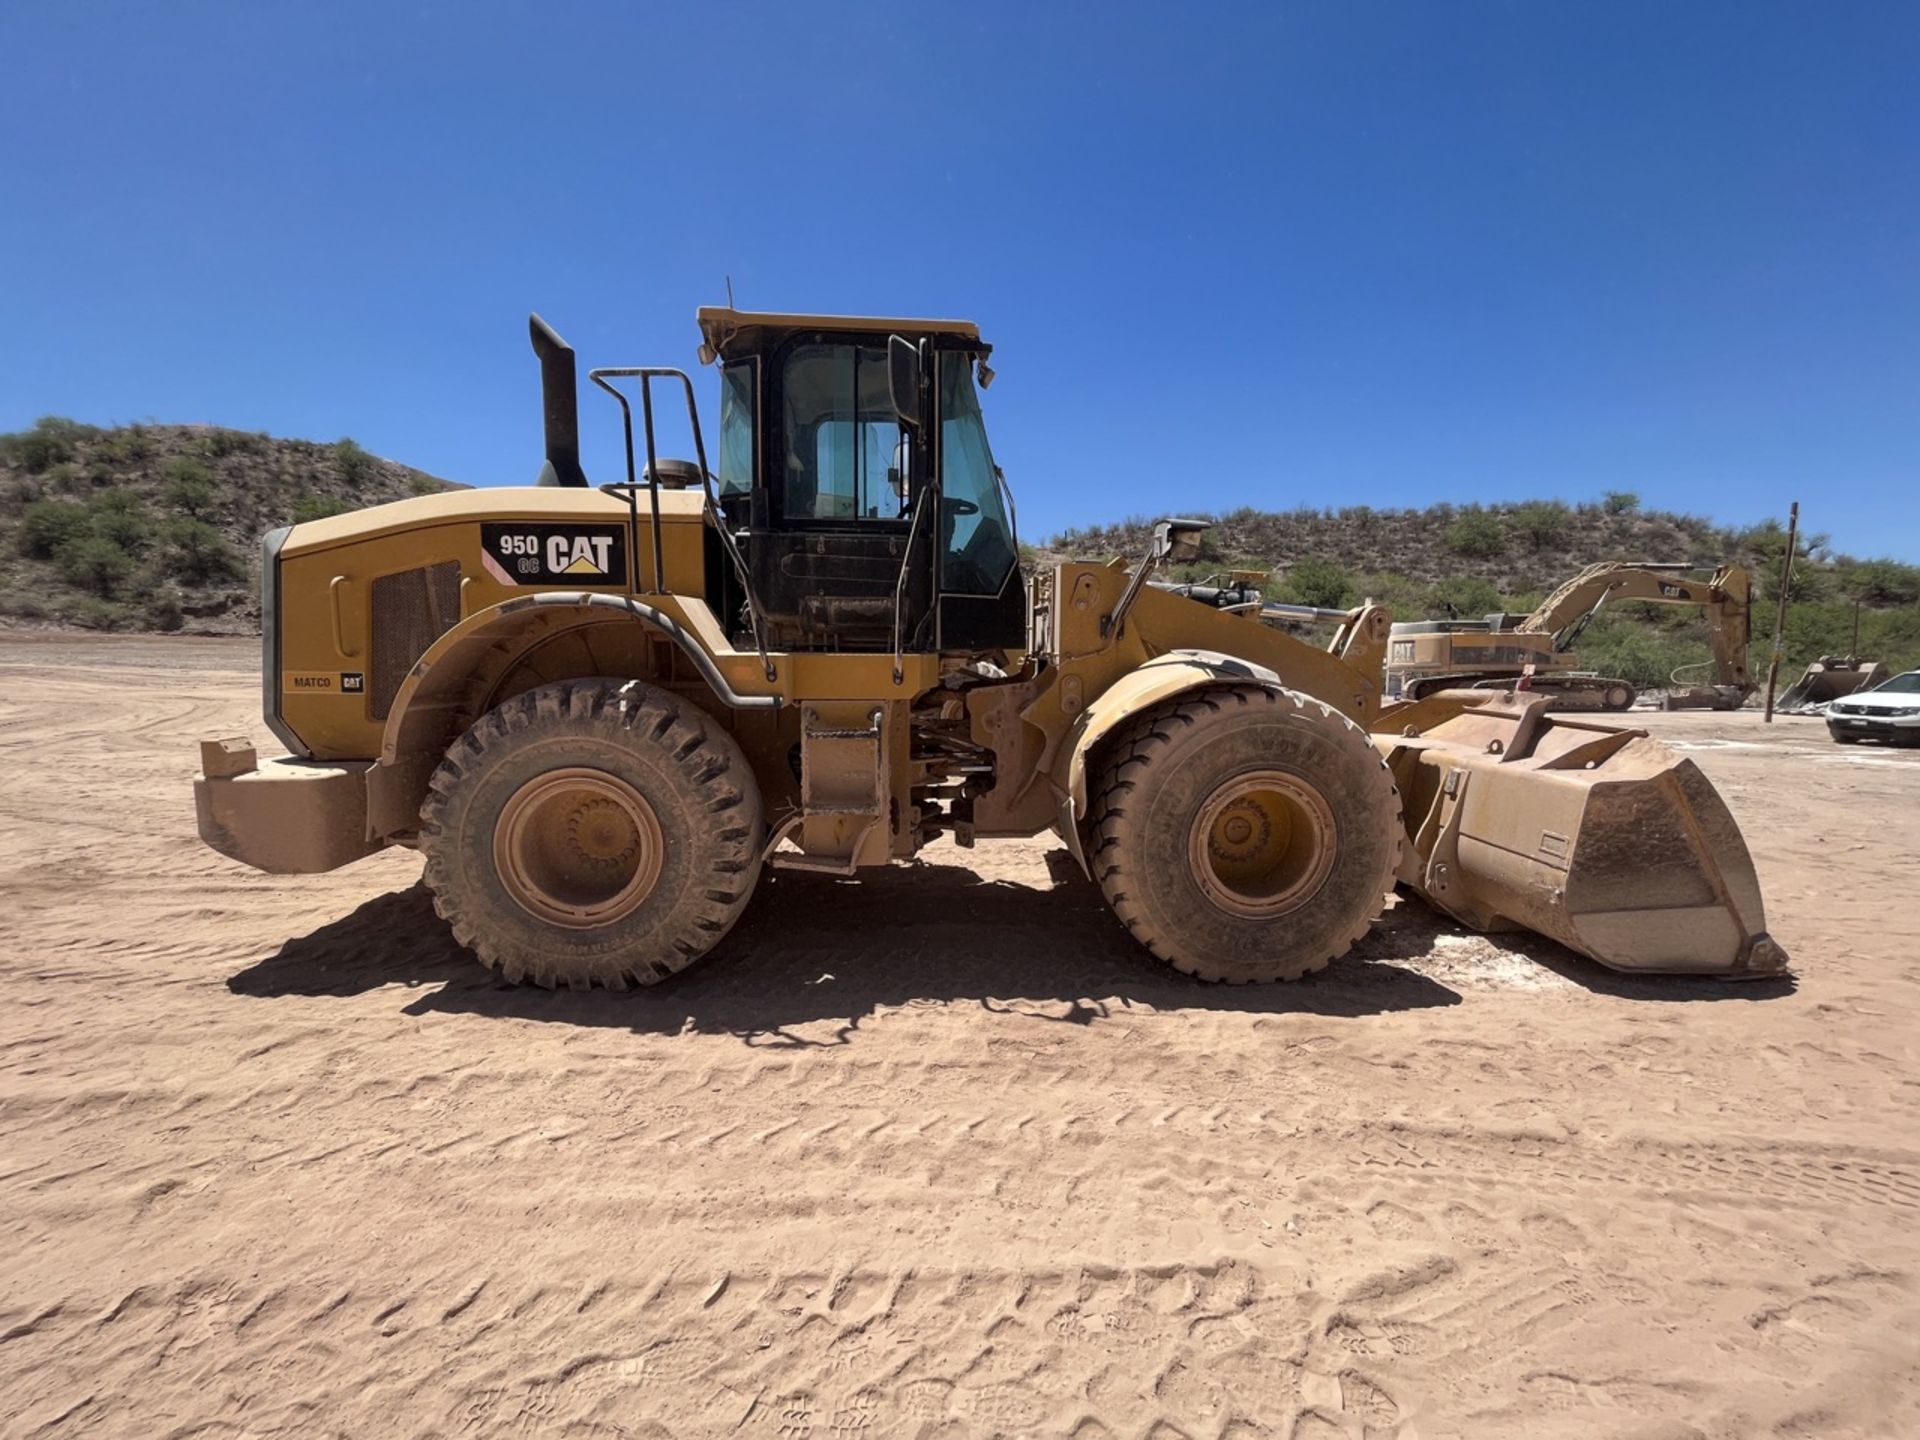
1598 837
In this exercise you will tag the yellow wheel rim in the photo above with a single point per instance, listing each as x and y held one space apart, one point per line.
579 848
1263 844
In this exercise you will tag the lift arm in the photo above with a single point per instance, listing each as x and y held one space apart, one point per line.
1725 598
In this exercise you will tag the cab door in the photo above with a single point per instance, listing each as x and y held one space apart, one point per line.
831 521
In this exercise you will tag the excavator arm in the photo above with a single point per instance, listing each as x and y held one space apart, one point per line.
1725 598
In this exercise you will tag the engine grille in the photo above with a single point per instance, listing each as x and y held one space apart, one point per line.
411 610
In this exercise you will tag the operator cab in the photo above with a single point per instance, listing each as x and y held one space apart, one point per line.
853 469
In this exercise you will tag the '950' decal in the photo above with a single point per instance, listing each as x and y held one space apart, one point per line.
537 554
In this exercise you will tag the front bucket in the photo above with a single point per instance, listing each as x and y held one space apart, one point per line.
1829 678
1598 837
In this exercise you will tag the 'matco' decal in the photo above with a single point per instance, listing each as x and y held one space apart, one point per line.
536 554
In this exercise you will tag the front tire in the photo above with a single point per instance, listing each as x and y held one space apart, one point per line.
592 832
1245 833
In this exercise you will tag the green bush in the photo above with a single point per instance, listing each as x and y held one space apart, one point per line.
190 489
47 525
1317 582
1644 655
1541 523
127 447
1476 534
427 485
1880 582
309 506
90 612
1464 596
355 464
1620 502
130 530
50 442
95 563
164 611
219 443
200 554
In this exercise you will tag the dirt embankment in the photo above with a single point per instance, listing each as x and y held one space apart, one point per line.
934 1154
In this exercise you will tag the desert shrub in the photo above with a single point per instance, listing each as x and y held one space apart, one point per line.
189 489
118 516
95 563
309 506
51 441
200 554
46 525
90 612
1314 581
1476 534
187 468
127 447
1643 655
427 485
1463 595
1619 502
1880 582
164 612
218 443
354 463
1543 524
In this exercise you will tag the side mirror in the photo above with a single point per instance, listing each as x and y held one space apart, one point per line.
904 379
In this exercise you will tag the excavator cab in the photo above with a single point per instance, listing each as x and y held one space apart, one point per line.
857 481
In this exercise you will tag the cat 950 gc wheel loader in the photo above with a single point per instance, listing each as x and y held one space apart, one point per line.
600 712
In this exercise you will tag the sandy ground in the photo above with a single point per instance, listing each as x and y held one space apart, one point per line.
936 1153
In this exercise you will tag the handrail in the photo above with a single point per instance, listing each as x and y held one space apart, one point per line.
647 374
929 499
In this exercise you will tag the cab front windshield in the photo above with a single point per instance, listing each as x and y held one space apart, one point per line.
1907 684
978 549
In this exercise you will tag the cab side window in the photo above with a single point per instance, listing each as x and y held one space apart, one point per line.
845 453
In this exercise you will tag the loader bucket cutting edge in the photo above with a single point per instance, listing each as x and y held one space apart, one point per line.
1598 837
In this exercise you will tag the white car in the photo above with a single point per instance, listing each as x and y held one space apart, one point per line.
1888 712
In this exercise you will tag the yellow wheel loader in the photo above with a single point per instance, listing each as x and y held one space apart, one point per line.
599 713
1427 656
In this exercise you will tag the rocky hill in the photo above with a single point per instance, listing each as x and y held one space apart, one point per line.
1472 560
157 527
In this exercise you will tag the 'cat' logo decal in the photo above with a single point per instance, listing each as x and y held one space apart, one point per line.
538 554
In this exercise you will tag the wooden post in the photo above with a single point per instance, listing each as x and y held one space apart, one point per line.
1780 618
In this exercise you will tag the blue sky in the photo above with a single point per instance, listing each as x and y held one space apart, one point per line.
1337 253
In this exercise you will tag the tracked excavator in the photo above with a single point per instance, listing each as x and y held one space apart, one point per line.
1426 657
601 713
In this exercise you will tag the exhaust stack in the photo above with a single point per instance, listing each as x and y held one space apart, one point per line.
560 400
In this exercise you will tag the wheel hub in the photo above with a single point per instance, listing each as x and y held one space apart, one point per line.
578 847
1263 843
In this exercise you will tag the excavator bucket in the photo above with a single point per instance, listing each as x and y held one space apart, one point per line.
1829 678
1596 836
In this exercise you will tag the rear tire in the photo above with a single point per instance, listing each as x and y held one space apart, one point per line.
1244 833
592 832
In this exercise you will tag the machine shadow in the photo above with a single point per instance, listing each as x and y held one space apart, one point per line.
813 949
827 953
1412 929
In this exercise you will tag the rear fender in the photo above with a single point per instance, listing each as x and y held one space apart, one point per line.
1154 683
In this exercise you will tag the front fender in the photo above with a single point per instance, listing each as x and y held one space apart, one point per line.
1159 680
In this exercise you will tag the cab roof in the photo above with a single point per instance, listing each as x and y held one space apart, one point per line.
726 329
